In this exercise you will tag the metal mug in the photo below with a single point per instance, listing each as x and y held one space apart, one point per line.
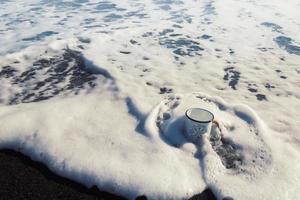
198 122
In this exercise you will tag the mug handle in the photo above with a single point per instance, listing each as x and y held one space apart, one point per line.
217 123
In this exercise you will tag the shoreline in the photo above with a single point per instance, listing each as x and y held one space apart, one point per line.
23 178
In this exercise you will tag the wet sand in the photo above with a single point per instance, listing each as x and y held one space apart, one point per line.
22 178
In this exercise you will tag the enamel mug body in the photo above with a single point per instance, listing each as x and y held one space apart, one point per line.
198 122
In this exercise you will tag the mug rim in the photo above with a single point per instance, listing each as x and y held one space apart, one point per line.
201 121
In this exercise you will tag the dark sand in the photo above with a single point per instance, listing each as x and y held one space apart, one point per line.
22 178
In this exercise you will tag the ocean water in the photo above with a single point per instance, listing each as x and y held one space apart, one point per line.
97 91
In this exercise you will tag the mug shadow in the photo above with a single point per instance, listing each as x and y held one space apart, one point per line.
172 132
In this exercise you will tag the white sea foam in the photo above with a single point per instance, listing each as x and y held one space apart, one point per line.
125 135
